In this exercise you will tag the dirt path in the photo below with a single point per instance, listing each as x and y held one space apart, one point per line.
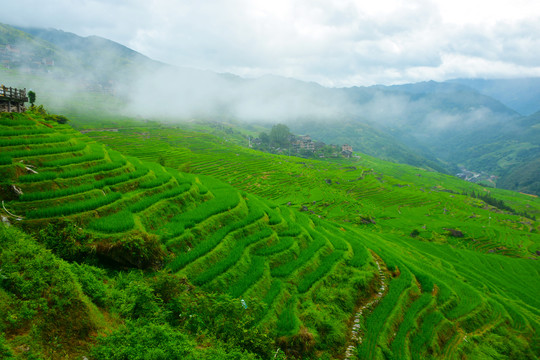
355 336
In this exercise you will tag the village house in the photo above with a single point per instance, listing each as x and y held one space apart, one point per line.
346 150
303 142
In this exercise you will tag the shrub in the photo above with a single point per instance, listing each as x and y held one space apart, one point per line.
140 341
5 351
136 249
65 239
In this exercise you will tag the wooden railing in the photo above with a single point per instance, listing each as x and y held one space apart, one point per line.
12 94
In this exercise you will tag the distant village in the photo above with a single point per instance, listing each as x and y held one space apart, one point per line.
281 141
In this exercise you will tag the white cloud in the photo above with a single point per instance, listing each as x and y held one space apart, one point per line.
334 42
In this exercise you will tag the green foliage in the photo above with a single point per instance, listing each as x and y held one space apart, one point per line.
5 351
5 160
326 264
16 119
95 154
134 249
288 322
74 208
31 97
65 239
234 255
72 173
287 268
283 244
160 180
201 249
280 135
253 274
109 181
46 150
224 318
144 341
150 200
117 222
92 281
58 118
43 291
224 200
33 140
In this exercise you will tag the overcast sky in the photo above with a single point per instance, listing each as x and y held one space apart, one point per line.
332 42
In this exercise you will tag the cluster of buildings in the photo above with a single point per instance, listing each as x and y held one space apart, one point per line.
305 146
304 142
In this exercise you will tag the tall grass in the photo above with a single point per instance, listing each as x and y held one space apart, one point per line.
50 175
148 201
226 199
33 140
73 208
326 264
46 150
16 122
288 322
51 194
118 222
158 181
283 244
96 153
399 345
208 244
5 160
377 320
232 257
253 274
287 268
24 132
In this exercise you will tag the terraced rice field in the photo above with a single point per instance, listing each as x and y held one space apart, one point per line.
324 249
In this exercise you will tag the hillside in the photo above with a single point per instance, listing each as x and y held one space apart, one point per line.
331 259
429 124
518 94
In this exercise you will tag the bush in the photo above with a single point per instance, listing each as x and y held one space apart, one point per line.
65 239
138 341
135 249
5 351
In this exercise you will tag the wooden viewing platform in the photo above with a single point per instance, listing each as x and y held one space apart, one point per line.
12 99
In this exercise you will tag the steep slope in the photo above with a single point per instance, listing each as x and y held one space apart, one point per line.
430 124
441 290
361 282
135 213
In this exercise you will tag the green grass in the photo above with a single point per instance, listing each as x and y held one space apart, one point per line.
73 208
252 224
117 222
253 274
233 256
324 268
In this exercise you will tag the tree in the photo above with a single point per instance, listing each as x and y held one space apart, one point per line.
265 139
32 97
280 135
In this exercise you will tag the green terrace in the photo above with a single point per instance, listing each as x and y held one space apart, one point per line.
345 259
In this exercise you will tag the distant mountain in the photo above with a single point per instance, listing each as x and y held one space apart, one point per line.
437 125
106 60
519 94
